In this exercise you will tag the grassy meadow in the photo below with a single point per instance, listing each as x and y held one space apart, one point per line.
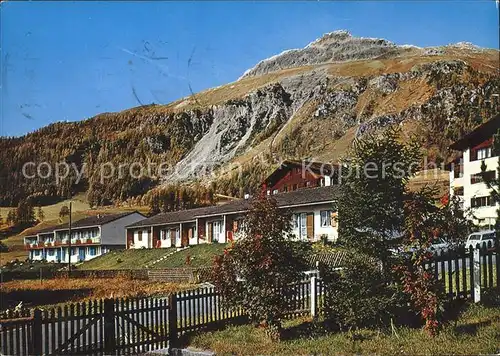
61 290
477 331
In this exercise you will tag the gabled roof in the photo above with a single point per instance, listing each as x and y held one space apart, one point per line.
478 135
95 220
305 196
320 168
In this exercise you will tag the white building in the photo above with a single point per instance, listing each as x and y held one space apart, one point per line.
312 211
90 237
465 176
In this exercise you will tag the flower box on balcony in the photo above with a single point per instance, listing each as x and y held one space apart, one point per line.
57 243
78 242
48 244
90 241
40 244
27 246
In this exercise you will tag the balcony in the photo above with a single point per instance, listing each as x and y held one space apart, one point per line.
84 241
28 244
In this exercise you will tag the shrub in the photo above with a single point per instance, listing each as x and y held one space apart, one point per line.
3 247
248 274
359 295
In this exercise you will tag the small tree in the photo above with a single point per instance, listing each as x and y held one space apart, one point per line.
64 211
11 217
358 296
40 214
254 270
423 218
3 247
154 206
25 214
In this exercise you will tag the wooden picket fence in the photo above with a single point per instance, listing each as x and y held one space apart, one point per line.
127 325
139 325
465 273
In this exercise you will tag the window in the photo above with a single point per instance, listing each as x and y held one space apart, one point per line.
50 252
73 251
478 178
475 237
139 236
484 153
303 225
36 252
285 188
163 234
92 251
481 201
308 184
296 220
458 191
326 218
488 236
481 153
458 171
321 182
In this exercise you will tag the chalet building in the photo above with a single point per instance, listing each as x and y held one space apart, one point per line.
312 209
465 177
90 237
294 175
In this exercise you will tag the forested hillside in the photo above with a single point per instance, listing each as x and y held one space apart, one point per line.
285 107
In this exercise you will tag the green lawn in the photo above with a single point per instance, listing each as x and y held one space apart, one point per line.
199 255
125 259
476 332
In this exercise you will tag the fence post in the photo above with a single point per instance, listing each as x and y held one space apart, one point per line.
109 327
476 270
313 297
172 320
37 332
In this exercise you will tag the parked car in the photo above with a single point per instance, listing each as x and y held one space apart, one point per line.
480 237
439 245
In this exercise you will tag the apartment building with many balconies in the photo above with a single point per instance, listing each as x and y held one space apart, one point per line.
90 237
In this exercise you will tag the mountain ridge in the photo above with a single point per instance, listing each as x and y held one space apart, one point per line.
314 110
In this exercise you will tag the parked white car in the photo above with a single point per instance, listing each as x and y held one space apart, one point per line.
480 237
439 245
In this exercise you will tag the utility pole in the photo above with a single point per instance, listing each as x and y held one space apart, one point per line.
69 242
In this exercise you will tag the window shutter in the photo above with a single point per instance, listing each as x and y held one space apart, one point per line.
333 219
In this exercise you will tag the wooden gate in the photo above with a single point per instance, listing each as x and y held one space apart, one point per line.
140 325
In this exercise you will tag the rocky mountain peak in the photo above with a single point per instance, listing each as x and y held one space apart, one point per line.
334 46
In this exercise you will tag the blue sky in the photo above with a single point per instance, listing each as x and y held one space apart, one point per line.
72 60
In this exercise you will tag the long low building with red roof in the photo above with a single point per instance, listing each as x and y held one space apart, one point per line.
306 189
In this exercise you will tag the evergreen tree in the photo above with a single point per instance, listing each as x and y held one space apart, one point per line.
25 213
40 214
11 217
371 203
64 211
154 207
